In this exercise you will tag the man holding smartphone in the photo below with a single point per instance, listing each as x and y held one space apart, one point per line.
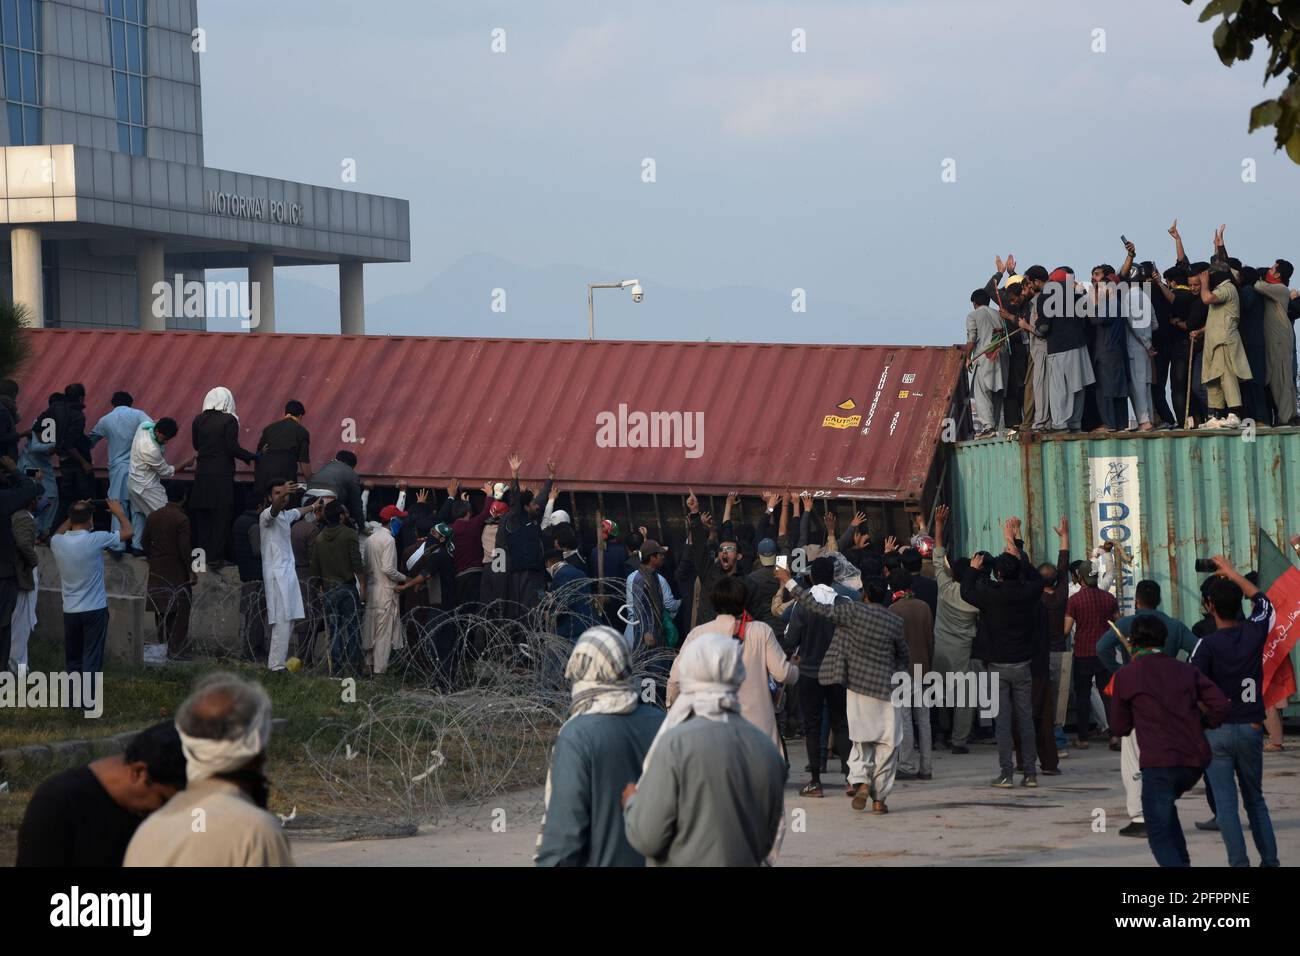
79 551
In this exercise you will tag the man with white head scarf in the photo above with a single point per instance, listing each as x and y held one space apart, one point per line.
215 434
220 818
710 793
599 749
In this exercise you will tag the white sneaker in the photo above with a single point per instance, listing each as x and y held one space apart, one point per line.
1212 423
1232 421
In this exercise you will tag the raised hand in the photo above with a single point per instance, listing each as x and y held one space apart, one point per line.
859 517
515 461
997 261
829 519
550 468
1011 263
692 503
891 544
772 498
453 488
1063 528
422 495
1173 230
487 488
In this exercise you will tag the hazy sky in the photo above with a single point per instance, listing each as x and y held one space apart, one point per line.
774 169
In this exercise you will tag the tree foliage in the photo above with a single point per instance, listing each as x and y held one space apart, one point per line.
15 344
1276 23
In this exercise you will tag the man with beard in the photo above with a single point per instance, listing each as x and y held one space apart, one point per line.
709 571
224 726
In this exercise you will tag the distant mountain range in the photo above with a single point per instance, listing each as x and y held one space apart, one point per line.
552 303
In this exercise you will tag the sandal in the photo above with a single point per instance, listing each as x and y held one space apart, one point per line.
812 790
851 788
1273 748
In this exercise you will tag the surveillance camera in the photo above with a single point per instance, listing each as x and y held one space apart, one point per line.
637 293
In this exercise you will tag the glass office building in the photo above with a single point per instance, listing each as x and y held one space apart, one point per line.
104 193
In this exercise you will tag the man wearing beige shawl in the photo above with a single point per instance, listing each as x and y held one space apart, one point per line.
381 628
220 818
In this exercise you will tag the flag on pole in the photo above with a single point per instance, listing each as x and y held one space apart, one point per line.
1280 581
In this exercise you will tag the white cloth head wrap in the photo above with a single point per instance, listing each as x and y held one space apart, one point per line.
205 757
220 399
710 671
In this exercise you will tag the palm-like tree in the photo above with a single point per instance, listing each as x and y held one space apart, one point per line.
15 344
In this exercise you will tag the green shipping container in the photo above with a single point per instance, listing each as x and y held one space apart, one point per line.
1165 498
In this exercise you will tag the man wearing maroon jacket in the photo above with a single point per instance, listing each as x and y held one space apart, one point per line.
1090 609
1168 704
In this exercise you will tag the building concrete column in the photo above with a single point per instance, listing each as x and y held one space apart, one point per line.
261 269
352 299
149 271
29 284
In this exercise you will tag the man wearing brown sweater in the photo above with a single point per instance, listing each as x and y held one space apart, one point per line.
918 630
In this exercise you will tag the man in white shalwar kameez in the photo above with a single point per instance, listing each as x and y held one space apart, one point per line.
279 573
381 628
149 468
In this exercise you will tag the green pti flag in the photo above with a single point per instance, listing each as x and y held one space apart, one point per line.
1272 562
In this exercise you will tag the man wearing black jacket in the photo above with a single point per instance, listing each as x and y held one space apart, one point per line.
1009 607
726 564
19 492
521 538
809 635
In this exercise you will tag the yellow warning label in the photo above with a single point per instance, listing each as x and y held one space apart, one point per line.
835 421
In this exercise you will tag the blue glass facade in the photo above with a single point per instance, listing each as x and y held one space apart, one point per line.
20 46
126 26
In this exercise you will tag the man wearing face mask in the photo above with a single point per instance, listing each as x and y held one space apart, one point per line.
86 816
224 727
709 571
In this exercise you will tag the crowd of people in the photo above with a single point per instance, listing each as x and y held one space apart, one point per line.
842 631
758 632
1205 344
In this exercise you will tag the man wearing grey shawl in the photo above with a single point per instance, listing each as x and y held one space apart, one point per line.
710 793
599 750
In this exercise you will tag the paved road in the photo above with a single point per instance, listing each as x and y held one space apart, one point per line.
954 819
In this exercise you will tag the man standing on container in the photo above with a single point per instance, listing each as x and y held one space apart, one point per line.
1224 363
1062 319
988 356
1279 340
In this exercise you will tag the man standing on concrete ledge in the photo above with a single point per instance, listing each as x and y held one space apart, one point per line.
79 551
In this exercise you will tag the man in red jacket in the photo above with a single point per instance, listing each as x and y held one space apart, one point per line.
1168 704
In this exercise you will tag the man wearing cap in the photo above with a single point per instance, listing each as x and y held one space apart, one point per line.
224 726
763 585
381 627
1037 408
650 598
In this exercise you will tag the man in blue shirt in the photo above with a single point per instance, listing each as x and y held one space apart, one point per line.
1233 657
119 427
78 550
